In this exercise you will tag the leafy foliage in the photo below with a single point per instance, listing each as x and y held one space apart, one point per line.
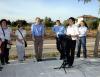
48 22
85 1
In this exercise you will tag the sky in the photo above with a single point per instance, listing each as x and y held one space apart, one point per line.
56 9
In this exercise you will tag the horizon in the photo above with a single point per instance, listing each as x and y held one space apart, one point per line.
43 19
27 10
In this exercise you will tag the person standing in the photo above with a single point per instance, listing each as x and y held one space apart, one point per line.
72 31
0 54
82 39
0 45
20 42
59 30
38 35
5 35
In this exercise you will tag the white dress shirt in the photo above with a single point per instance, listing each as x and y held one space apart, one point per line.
19 36
7 36
73 31
82 31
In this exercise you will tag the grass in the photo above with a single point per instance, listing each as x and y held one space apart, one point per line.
30 56
48 55
48 33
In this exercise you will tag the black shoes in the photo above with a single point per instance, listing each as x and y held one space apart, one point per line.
7 62
2 63
38 60
1 68
62 58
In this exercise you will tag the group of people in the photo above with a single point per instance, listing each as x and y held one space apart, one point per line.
66 38
6 35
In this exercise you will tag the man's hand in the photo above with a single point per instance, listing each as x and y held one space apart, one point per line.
21 41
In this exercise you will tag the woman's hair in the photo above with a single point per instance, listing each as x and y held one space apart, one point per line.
20 24
3 20
85 24
37 18
73 19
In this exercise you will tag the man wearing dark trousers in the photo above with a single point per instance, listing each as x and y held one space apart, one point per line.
60 41
70 51
38 31
59 30
72 31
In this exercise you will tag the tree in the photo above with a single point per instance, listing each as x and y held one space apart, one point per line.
98 32
65 23
13 24
24 22
48 22
9 22
93 25
86 1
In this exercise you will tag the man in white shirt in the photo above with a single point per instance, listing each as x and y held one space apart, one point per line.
71 30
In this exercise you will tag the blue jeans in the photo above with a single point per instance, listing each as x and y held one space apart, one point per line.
82 41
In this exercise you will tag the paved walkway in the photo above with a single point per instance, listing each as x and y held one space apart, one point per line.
82 68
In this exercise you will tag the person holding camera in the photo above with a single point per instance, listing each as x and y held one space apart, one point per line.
5 35
59 31
73 32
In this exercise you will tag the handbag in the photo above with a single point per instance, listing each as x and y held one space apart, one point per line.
25 43
23 38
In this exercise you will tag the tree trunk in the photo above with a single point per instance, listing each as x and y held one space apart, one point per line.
97 42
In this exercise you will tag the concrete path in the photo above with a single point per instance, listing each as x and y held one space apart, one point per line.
82 68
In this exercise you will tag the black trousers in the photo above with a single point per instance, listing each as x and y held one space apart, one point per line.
70 51
4 54
60 43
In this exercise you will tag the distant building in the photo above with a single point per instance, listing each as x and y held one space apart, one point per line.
87 17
